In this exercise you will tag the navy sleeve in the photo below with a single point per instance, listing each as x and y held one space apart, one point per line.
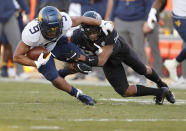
115 4
81 1
148 5
24 5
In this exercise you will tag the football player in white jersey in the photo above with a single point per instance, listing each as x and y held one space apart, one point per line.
48 31
179 22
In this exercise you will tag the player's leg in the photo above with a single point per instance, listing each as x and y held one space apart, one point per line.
50 73
180 26
134 62
115 74
153 40
12 32
7 57
4 68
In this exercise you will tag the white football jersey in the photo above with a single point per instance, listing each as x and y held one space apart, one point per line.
179 7
32 36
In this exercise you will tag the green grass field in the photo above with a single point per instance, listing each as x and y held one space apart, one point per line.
32 106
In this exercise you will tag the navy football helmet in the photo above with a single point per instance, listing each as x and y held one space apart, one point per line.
91 29
50 22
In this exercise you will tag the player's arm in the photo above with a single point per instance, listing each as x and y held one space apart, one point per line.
157 4
101 59
20 57
104 55
153 12
106 26
77 20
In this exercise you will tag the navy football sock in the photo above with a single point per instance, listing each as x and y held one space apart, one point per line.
181 56
73 92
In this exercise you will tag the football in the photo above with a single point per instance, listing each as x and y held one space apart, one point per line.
35 52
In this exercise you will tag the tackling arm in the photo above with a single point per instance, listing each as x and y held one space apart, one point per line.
102 58
106 26
77 20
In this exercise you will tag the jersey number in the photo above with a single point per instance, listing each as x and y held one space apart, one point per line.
65 18
34 30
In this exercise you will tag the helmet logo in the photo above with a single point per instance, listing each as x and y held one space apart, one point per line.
40 17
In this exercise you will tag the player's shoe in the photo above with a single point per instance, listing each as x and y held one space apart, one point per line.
84 98
160 99
181 81
11 72
170 97
23 76
171 67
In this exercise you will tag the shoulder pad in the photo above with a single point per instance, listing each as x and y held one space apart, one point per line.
31 33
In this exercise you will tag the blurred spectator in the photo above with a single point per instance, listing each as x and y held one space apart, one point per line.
62 5
7 56
9 25
129 18
179 22
153 41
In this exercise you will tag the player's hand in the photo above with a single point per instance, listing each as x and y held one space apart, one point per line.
99 49
146 28
82 67
152 18
107 26
42 61
71 56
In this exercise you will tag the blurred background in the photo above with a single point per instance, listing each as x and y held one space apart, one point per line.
166 40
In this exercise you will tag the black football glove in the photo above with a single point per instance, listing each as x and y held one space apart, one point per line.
70 56
82 67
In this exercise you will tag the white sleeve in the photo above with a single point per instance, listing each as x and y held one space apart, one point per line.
67 22
25 38
30 39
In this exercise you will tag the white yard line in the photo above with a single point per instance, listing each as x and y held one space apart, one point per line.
141 101
41 127
124 100
45 127
127 120
93 119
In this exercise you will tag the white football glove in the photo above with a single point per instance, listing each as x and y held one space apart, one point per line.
152 18
107 26
42 61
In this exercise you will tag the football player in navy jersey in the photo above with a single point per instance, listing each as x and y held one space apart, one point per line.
110 52
49 31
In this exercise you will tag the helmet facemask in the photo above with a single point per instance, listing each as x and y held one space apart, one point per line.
91 32
52 31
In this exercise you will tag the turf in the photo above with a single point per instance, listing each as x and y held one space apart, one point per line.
32 106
